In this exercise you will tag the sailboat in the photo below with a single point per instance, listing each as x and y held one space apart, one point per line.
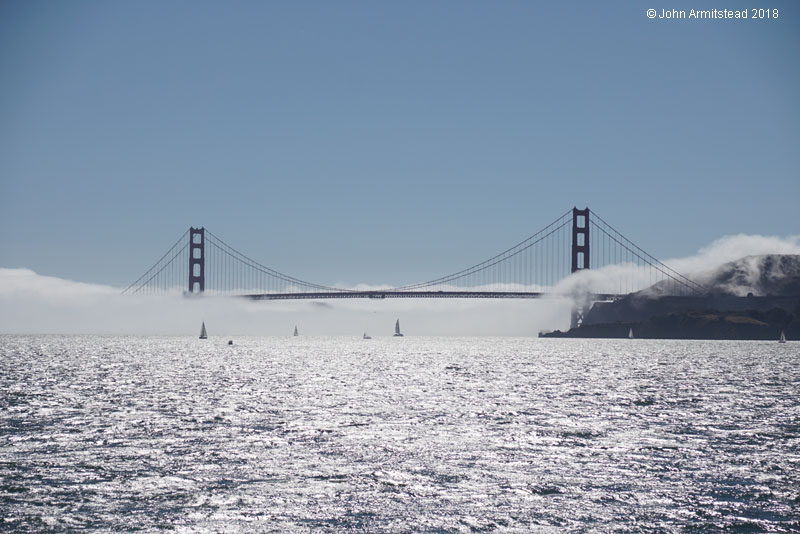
366 336
203 334
630 333
397 329
783 338
295 331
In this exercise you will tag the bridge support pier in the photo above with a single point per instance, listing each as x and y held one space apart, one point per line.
197 260
580 258
576 318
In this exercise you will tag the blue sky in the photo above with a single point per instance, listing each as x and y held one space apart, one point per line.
385 142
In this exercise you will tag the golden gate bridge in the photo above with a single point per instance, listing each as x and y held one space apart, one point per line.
558 260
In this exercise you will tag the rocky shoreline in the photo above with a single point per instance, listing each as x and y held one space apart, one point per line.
697 324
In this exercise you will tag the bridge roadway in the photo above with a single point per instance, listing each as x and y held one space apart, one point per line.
389 294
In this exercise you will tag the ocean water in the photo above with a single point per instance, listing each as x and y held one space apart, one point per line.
115 434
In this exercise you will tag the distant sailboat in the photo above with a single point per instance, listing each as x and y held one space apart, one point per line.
366 336
783 338
203 334
295 331
397 329
630 333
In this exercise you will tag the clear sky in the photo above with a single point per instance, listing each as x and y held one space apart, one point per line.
385 142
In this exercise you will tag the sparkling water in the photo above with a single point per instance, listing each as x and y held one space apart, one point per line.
398 435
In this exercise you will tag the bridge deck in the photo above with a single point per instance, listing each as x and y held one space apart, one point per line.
380 295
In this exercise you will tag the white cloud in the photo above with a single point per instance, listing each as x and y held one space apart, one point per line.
730 248
25 283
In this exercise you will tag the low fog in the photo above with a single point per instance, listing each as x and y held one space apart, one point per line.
33 303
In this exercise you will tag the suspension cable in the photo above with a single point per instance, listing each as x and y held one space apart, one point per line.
693 286
653 259
180 251
156 263
478 267
235 254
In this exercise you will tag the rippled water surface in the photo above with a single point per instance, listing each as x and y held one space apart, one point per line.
398 435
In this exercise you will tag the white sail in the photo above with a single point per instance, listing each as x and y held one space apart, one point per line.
783 337
630 333
203 334
397 329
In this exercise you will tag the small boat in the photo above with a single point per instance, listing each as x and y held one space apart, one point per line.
397 329
783 338
366 336
230 342
295 331
203 334
630 333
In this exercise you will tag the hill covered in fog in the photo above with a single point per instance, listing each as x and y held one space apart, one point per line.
760 276
754 297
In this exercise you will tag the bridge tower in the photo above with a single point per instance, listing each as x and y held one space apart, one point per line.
197 260
580 257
